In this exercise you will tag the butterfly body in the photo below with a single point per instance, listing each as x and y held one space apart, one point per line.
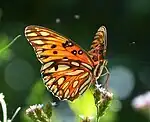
67 70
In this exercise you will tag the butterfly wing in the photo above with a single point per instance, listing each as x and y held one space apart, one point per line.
66 68
99 45
66 80
98 52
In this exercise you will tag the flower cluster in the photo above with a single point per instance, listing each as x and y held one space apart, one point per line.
40 112
142 101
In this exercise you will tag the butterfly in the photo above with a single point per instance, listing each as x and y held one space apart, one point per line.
67 70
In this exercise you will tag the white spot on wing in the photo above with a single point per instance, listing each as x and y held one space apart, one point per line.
76 91
68 96
46 78
28 31
57 94
53 87
31 34
44 33
39 52
75 63
45 66
60 93
37 29
85 83
60 68
66 93
60 80
83 90
38 42
49 83
39 49
86 65
72 95
65 85
52 70
76 72
84 75
75 83
55 90
65 59
63 67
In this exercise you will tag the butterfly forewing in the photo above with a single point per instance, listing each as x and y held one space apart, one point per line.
98 52
66 68
50 45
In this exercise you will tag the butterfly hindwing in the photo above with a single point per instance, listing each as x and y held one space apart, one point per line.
67 80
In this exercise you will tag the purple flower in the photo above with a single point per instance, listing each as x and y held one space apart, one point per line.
142 101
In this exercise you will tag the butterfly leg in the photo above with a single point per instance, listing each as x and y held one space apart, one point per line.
107 74
107 80
104 72
102 66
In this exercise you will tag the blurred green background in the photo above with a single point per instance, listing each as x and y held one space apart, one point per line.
128 53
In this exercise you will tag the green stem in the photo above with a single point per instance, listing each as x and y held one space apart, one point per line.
97 114
16 112
9 44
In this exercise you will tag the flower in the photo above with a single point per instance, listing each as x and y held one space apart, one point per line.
142 101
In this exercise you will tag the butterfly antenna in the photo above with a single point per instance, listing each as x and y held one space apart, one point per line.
7 46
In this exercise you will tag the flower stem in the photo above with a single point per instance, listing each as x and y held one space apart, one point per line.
4 108
16 112
9 43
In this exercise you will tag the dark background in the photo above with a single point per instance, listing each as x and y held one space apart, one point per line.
128 26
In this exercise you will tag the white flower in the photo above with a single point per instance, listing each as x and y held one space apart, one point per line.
33 108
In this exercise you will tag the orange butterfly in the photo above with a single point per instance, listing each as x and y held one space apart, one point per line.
67 70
